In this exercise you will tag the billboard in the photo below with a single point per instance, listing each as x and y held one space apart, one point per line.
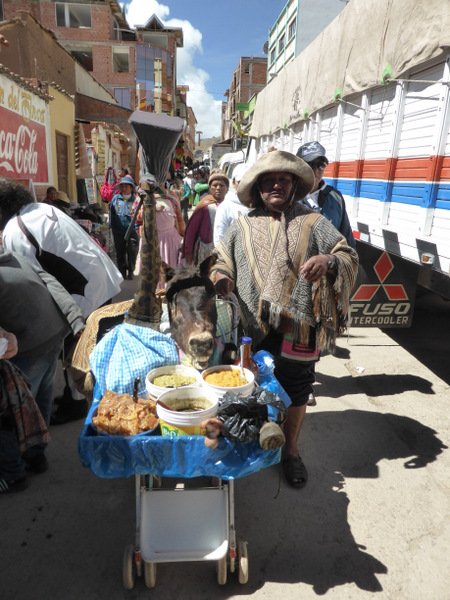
23 143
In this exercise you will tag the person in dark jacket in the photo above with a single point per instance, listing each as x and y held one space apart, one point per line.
40 313
324 198
121 213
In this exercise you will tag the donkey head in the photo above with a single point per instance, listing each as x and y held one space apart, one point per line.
191 302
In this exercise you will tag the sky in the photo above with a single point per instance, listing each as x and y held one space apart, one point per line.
216 35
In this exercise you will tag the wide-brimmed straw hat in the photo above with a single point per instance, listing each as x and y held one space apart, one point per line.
275 160
62 198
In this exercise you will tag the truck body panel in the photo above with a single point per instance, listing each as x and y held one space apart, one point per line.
388 147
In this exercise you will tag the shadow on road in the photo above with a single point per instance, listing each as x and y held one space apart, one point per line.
70 528
372 385
304 535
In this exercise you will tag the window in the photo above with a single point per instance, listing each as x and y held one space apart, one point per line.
73 15
122 95
84 57
247 68
120 60
272 56
157 39
291 31
281 44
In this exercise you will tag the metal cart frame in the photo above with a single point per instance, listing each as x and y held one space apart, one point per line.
208 534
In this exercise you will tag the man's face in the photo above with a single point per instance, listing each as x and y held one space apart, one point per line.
318 166
276 188
218 189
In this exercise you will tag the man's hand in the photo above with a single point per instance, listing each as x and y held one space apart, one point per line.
314 268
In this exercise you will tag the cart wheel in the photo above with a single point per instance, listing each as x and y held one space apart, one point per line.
243 562
128 568
222 570
150 574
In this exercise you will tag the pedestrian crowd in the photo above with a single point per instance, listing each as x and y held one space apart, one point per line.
282 243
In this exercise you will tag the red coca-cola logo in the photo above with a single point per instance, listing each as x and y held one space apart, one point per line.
23 149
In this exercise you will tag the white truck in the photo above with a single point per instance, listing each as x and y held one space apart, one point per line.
374 89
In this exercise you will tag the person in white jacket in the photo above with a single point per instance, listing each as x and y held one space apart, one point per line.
53 241
231 208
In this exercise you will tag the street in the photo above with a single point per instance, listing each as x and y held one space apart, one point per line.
372 521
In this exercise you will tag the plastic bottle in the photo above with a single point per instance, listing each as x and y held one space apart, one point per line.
247 360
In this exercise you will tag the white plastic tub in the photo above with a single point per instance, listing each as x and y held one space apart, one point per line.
174 423
156 391
220 391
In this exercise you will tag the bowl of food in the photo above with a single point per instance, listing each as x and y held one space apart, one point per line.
228 378
183 409
162 379
119 414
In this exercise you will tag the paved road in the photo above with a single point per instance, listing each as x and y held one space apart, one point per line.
371 523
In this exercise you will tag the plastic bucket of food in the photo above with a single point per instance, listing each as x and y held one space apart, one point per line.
169 377
181 411
224 376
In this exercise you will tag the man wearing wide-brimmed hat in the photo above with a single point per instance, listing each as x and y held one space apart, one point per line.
293 273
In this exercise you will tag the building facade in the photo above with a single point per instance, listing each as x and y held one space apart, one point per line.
137 66
298 24
249 78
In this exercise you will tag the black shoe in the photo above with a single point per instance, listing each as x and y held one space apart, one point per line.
69 411
66 396
10 486
130 276
37 463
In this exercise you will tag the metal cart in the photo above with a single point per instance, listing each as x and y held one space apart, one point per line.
173 477
206 533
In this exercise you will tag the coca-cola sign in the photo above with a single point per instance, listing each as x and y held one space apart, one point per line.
23 147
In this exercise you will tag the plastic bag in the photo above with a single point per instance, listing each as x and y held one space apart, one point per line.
243 418
267 379
109 190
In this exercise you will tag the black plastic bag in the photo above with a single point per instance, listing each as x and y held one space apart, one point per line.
243 418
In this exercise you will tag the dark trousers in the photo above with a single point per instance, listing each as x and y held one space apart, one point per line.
184 205
126 253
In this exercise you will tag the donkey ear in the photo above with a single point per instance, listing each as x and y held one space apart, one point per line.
167 271
207 265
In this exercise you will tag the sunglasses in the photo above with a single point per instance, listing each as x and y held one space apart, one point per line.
316 165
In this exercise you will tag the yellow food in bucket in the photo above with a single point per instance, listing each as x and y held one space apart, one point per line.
226 378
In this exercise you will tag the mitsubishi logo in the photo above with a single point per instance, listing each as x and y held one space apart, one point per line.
394 291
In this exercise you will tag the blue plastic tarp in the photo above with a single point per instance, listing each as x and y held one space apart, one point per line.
111 456
127 352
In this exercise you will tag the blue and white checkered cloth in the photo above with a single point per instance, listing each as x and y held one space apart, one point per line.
127 352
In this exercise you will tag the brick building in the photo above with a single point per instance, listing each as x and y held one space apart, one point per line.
137 66
249 78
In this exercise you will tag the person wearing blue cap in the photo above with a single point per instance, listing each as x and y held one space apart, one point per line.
121 213
324 198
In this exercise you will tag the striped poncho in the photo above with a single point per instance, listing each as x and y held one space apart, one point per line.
263 256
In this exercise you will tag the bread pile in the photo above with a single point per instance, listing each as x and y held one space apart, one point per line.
119 414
